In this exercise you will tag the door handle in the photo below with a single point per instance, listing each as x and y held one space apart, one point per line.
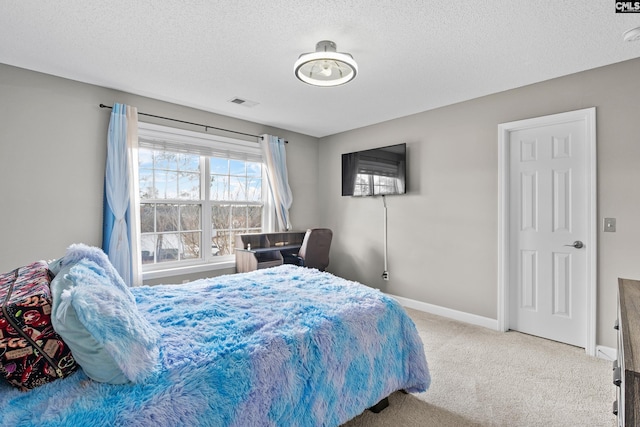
577 244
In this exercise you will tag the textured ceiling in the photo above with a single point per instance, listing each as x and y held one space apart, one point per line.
412 55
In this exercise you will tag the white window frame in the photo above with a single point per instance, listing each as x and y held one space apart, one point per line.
197 142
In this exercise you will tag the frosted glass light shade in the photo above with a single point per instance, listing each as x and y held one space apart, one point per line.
325 67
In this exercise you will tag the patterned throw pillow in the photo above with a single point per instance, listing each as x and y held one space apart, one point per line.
31 352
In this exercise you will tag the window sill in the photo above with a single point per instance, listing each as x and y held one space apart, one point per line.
190 269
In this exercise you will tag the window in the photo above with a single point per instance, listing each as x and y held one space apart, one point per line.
365 183
196 192
377 174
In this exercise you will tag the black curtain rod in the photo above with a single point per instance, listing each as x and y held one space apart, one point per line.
194 124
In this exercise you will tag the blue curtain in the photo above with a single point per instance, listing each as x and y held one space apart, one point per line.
117 221
274 156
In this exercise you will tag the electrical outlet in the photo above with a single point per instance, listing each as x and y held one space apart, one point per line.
609 225
385 275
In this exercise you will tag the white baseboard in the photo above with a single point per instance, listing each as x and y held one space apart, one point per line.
606 353
447 312
602 352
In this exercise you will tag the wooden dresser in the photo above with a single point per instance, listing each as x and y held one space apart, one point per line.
626 370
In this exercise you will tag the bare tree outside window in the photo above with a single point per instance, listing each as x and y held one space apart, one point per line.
172 204
236 195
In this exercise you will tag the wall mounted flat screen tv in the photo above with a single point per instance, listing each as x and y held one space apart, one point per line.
375 172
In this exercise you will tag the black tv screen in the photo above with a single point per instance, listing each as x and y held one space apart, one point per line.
375 172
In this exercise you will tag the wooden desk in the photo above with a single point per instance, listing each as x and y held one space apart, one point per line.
264 250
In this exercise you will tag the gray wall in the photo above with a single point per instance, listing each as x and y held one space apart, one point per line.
52 160
442 236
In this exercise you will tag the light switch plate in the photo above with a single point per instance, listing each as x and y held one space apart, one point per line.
609 225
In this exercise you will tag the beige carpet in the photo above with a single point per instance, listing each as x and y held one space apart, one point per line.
482 377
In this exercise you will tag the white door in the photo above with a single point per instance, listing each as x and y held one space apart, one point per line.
550 229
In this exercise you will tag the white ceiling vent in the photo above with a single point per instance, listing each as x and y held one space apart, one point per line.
243 102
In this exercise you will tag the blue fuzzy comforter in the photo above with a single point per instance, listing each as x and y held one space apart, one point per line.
286 346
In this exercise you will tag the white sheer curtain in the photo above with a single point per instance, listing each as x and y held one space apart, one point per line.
119 240
274 156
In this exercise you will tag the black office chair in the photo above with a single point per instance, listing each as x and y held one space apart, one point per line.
314 252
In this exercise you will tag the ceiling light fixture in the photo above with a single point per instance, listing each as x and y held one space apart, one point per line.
325 67
632 35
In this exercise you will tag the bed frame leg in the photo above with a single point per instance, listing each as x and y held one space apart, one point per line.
378 407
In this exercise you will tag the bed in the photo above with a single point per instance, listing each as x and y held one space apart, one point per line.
284 346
